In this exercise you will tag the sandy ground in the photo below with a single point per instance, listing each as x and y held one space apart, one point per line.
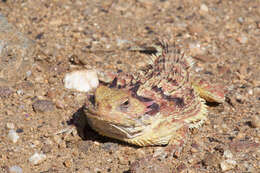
41 41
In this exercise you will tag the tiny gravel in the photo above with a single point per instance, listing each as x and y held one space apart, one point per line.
42 125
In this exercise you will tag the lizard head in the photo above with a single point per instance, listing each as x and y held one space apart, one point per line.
118 113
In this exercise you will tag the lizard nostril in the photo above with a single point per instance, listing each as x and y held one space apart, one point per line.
91 98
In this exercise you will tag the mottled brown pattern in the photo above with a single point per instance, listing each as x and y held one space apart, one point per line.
149 107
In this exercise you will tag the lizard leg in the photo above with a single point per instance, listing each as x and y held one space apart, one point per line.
162 157
211 93
177 142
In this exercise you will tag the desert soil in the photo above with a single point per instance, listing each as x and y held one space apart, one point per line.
41 41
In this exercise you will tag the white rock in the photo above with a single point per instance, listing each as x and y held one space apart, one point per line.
240 20
13 136
10 125
242 39
84 80
37 158
196 49
204 8
20 92
228 154
250 92
15 169
228 164
120 42
28 73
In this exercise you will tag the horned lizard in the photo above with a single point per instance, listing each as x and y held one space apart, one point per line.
154 106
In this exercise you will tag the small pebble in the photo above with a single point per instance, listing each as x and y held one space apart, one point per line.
256 91
36 142
224 127
227 165
196 29
57 139
20 92
211 159
15 169
240 98
240 135
39 79
255 121
160 152
140 153
51 80
37 158
68 163
110 146
196 49
46 148
13 136
181 168
242 39
204 9
195 148
120 42
59 104
43 106
249 167
97 170
84 80
19 130
122 160
258 25
51 94
28 73
240 20
10 125
228 154
5 92
250 92
55 21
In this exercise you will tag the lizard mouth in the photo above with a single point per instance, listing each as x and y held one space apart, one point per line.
126 132
113 129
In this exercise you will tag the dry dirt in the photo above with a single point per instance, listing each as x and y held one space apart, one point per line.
64 35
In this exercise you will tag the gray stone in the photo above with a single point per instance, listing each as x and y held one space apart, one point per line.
5 92
16 52
43 106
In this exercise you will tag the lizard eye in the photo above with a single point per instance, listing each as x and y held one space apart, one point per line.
124 105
